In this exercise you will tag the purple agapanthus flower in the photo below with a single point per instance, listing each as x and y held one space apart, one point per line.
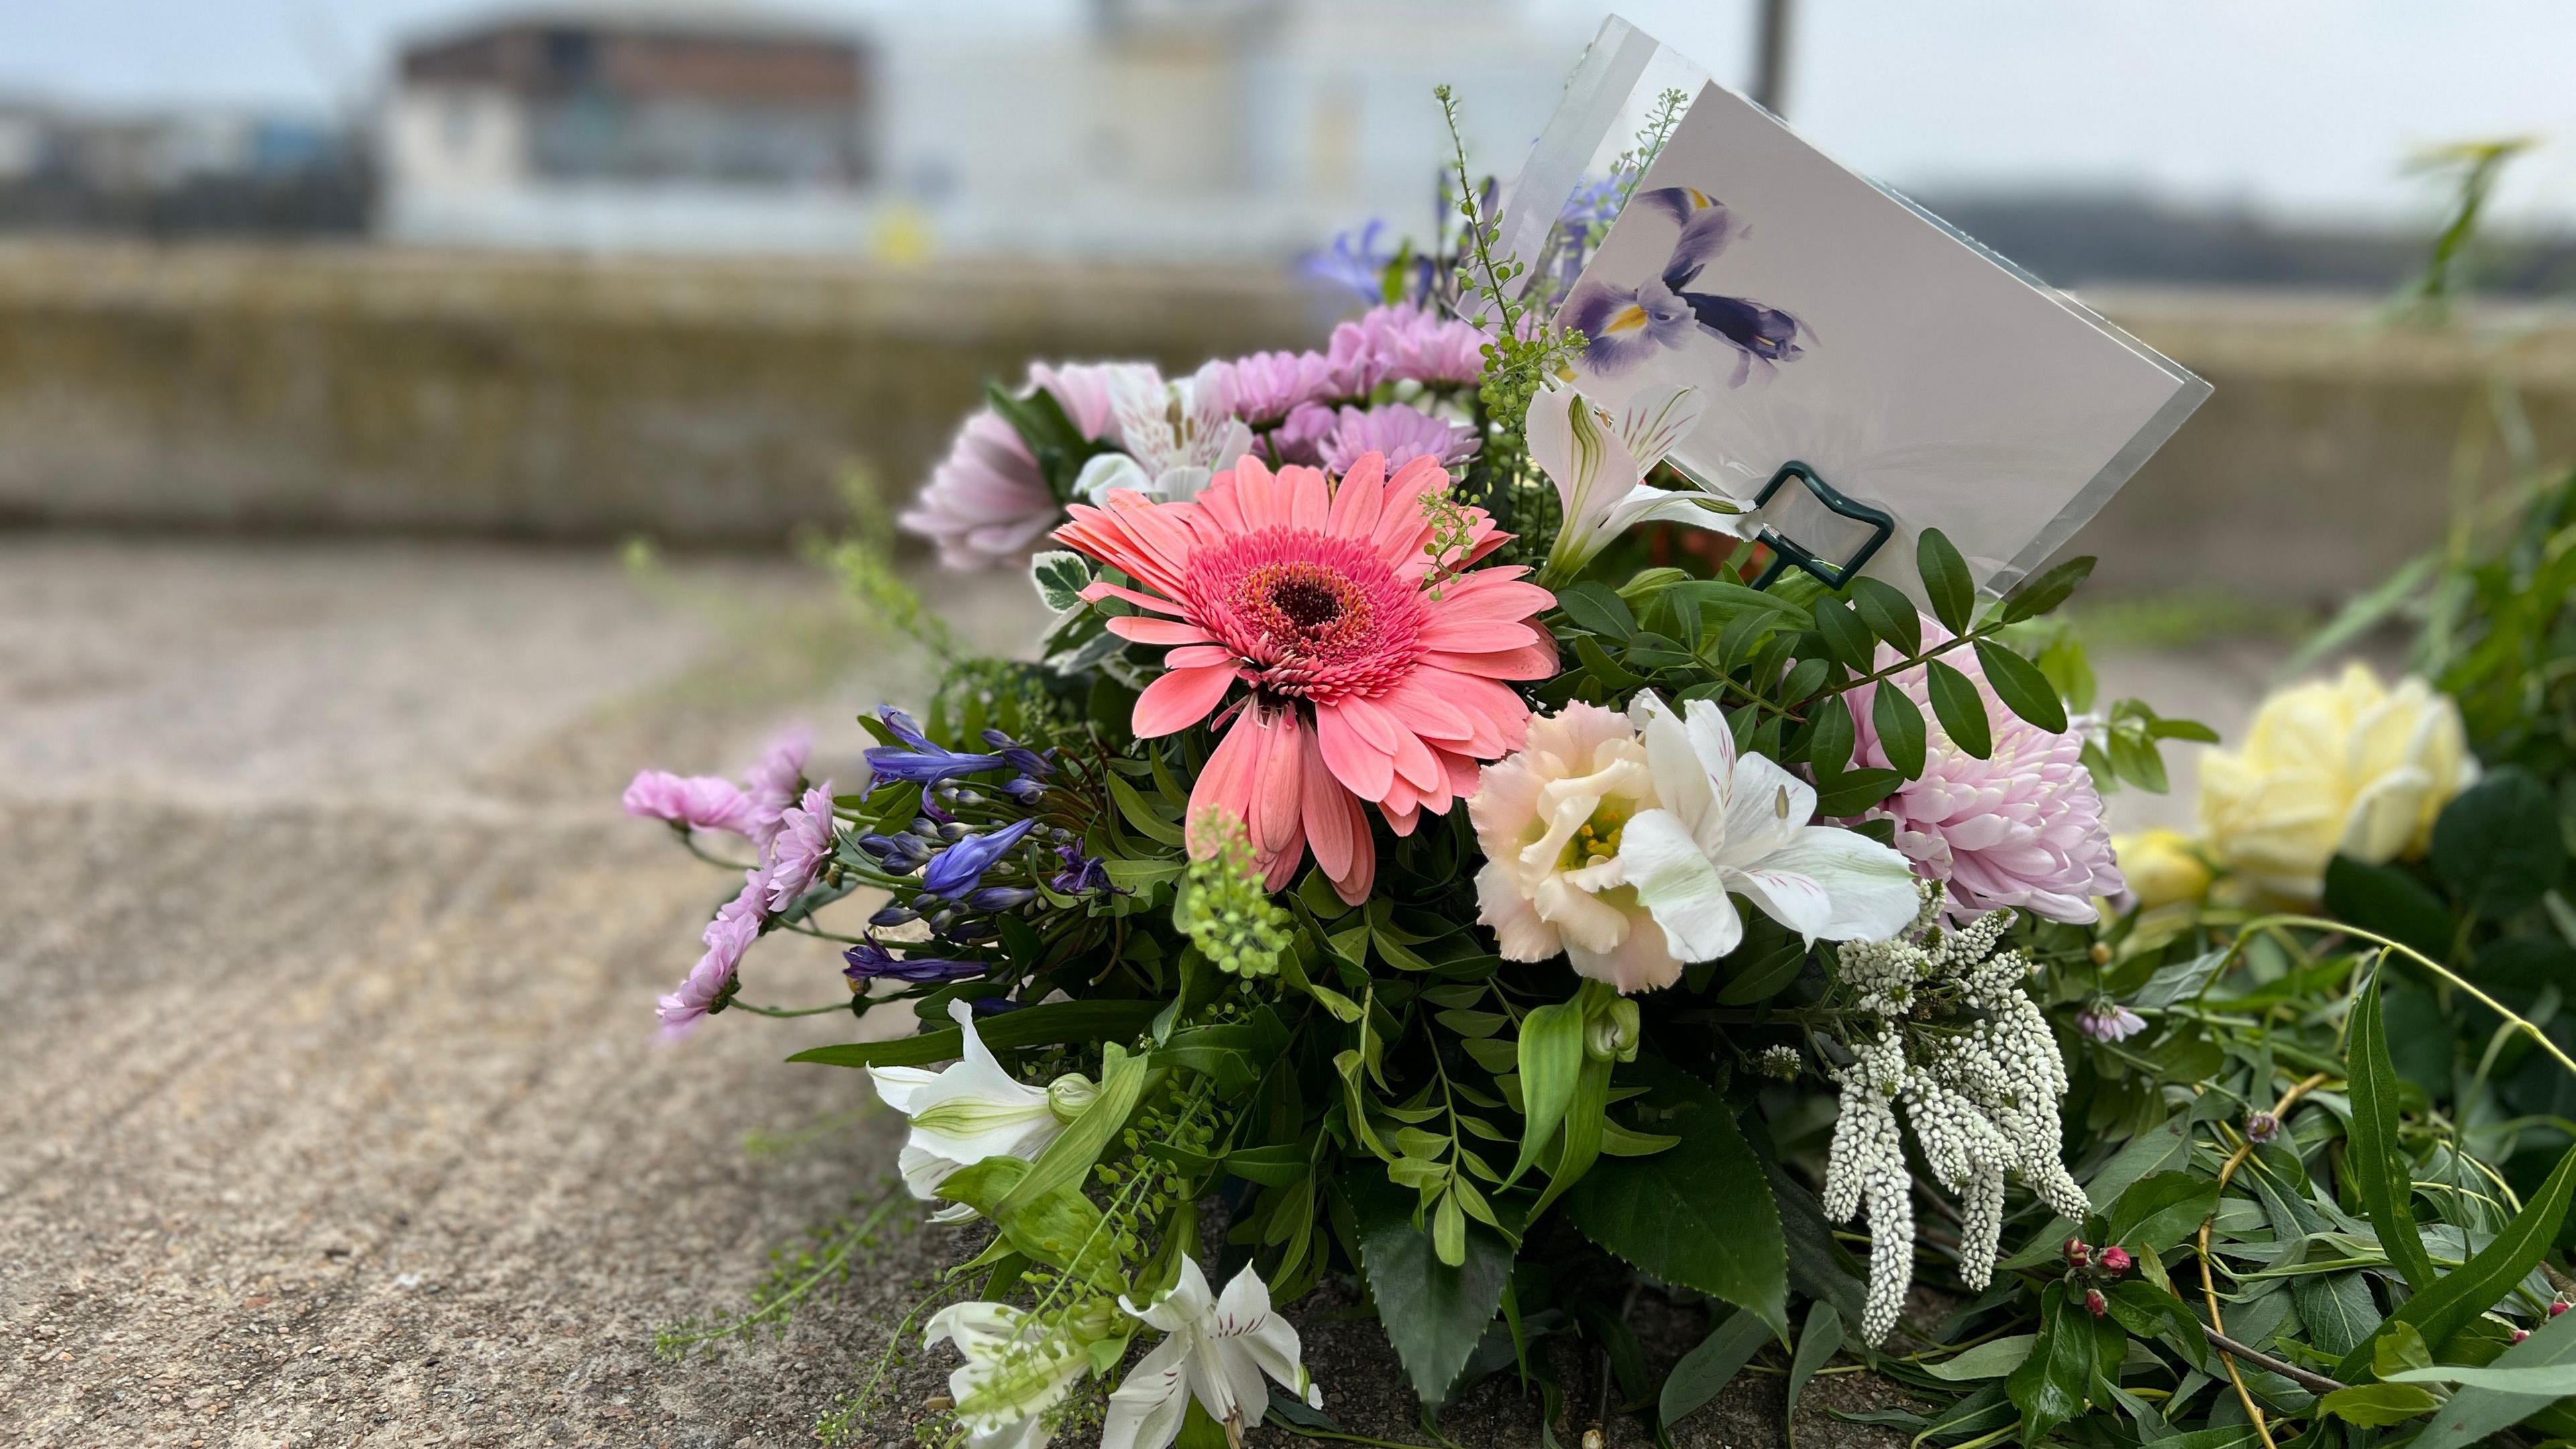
960 868
1019 756
1081 874
1355 261
917 760
872 962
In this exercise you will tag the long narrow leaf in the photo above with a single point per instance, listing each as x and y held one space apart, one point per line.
2448 1305
2380 1171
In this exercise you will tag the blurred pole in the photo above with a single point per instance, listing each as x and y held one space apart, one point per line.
1771 56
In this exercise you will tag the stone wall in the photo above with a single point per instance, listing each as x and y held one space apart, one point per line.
718 402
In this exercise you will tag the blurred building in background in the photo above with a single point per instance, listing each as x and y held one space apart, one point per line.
631 126
178 172
1155 130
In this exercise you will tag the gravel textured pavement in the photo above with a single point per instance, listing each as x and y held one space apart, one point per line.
331 1110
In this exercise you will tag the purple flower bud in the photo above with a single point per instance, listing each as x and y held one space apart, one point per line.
2261 1128
894 915
870 961
1001 898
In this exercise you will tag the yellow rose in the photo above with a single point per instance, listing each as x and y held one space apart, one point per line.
2345 766
2161 867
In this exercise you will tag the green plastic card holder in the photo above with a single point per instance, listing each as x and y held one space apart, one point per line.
1786 551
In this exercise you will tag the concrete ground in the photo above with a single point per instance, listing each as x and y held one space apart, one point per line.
331 1110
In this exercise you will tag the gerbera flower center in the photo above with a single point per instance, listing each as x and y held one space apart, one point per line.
1316 616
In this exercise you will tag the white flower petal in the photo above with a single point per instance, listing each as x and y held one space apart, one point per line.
1682 780
1766 807
1868 889
1107 471
1679 885
1656 418
1145 1411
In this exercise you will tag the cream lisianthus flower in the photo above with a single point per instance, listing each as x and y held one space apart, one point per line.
2343 766
1620 840
1015 1372
1217 1348
972 1110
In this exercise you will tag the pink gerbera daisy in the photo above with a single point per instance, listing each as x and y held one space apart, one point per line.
1366 680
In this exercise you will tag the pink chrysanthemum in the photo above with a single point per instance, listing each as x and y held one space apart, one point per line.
1362 686
771 786
1264 388
701 802
728 936
987 504
1399 433
804 843
2022 827
1405 343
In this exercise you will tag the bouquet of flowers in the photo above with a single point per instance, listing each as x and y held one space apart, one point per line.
1378 876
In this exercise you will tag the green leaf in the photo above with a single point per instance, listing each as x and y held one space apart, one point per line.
2381 1174
2376 1406
1052 1229
2387 901
1900 729
2037 596
1551 1063
2479 1410
1854 791
1846 635
1581 1135
2453 1301
1596 607
1961 710
1889 614
1707 1369
1058 1021
2336 1309
1700 1215
1133 809
2149 1311
2022 688
1945 581
1992 1359
2049 1386
1829 748
1817 1343
2497 847
1434 1314
1061 577
2179 981
1067 1160
1600 666
2160 1210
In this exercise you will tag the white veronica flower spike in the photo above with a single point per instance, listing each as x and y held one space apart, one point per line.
1599 462
1013 1374
965 1113
1730 823
1217 1352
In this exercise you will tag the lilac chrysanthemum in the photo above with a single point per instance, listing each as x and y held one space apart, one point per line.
1411 344
804 842
728 936
2109 1021
1264 388
700 802
986 503
2022 827
1400 432
771 786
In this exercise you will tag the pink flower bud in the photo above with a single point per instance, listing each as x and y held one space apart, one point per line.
2520 1334
2557 1308
2077 1254
2115 1261
2095 1303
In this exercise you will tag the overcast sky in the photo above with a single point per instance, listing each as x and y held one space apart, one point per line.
2299 107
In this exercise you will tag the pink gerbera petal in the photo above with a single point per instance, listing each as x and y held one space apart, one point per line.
1366 682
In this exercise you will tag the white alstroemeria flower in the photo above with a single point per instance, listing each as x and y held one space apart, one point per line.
1012 1376
1740 824
1216 1351
1176 435
1599 462
965 1113
1616 840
